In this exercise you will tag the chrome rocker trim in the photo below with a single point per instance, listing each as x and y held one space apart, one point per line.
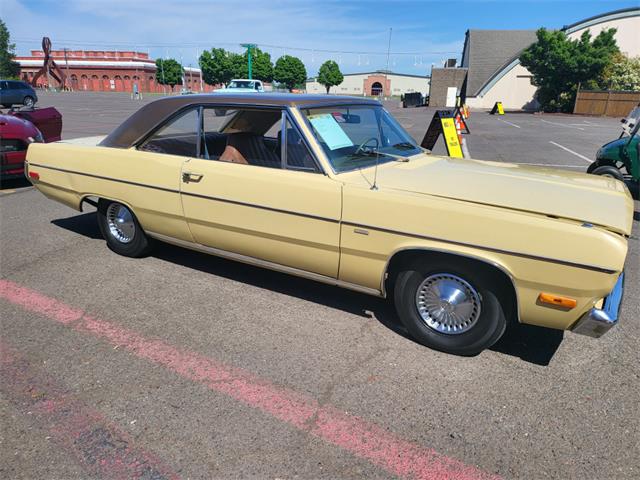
596 322
265 264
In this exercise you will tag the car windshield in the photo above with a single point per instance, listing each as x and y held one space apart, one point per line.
242 84
632 123
355 137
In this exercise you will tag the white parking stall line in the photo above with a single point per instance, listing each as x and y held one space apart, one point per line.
509 123
561 125
549 165
571 151
593 124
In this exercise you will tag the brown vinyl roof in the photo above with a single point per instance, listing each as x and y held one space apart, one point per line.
138 125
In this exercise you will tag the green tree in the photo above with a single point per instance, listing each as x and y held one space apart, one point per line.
217 66
622 74
290 71
9 68
168 72
330 75
558 64
261 65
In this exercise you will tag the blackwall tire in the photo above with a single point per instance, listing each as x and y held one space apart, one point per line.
29 101
608 171
468 331
121 230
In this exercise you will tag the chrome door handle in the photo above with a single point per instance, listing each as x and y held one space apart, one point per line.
191 177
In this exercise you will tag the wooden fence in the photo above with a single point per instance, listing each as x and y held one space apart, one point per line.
608 103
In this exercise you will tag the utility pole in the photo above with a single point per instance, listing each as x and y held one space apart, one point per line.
66 61
249 46
387 69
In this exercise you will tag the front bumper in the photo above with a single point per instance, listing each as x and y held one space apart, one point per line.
597 321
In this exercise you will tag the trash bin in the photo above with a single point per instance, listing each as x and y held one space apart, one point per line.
413 99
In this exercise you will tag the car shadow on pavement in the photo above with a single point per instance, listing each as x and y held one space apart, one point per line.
532 344
84 224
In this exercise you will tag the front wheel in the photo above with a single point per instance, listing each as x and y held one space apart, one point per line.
28 101
449 307
121 230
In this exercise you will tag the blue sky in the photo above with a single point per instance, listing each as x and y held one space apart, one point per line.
353 33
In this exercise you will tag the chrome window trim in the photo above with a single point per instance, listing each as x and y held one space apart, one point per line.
283 140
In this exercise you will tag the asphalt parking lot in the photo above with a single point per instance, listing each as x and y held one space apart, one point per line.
182 365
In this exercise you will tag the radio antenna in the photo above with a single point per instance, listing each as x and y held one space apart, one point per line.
375 172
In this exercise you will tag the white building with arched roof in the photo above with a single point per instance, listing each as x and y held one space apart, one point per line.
492 58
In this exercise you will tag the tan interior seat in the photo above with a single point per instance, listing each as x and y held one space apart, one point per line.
249 149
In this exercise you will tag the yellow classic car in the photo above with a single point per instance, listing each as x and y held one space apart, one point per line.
333 189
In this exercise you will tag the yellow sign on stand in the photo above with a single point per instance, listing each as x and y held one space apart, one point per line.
451 137
497 108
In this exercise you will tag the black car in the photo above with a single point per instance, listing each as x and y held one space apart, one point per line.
15 92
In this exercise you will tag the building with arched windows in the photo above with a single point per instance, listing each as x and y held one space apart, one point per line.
107 71
374 83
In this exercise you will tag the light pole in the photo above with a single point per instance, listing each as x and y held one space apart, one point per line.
249 46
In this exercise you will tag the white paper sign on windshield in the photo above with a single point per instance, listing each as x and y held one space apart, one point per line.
330 131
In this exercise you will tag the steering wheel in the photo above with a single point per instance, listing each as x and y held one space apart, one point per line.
361 147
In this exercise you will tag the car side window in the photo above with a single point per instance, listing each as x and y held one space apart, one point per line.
298 155
178 137
241 135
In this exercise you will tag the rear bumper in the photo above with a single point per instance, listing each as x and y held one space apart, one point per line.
598 321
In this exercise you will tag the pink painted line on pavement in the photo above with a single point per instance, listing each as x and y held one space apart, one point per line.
100 447
357 436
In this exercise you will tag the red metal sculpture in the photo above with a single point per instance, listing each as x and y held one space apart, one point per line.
49 67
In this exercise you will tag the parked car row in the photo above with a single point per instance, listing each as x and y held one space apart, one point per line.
16 92
19 129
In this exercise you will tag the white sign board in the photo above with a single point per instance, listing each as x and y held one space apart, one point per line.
451 96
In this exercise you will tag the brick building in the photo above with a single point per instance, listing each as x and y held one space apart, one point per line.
102 71
376 83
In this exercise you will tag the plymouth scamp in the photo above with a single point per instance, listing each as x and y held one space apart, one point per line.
333 189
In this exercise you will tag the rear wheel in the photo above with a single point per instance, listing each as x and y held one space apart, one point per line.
121 230
28 101
608 171
450 306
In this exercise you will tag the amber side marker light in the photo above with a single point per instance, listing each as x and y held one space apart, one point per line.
34 175
557 300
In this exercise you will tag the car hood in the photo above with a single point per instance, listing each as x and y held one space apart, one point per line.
594 199
612 149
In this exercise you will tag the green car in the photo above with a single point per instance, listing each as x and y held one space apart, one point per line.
620 159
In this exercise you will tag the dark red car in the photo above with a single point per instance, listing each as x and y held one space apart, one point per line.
19 128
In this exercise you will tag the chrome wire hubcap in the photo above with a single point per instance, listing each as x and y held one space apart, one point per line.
120 222
448 304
